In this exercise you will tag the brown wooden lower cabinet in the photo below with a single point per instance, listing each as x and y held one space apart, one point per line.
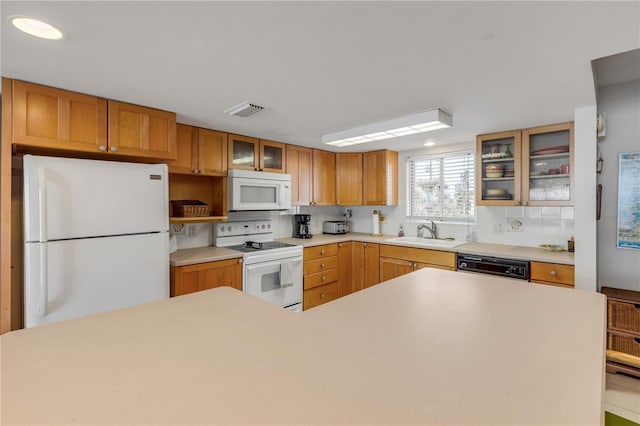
365 269
320 275
345 276
552 274
203 276
397 260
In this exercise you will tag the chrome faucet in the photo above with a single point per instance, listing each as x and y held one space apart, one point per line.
432 230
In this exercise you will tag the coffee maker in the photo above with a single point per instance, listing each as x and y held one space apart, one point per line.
301 223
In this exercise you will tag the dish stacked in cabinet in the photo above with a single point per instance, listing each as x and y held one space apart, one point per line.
623 331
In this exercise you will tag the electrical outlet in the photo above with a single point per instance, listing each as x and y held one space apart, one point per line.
498 228
515 225
177 229
192 231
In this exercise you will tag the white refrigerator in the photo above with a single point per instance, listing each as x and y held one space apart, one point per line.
96 237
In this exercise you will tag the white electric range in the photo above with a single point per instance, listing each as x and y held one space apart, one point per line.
272 270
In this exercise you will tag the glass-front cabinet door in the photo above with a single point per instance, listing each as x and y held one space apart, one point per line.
547 165
272 156
243 152
498 168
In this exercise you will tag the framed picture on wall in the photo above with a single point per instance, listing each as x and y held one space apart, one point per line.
629 201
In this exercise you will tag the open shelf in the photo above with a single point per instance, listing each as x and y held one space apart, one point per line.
201 219
548 176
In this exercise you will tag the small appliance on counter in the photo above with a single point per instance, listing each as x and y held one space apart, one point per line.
334 227
301 224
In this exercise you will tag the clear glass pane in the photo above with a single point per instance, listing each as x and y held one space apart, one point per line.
549 169
498 168
243 154
272 157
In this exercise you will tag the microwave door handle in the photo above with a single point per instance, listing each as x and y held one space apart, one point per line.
281 195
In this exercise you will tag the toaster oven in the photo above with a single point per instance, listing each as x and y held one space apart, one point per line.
334 227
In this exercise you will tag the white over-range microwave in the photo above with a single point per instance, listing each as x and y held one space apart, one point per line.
251 190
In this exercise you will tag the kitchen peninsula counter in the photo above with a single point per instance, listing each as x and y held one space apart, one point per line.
430 347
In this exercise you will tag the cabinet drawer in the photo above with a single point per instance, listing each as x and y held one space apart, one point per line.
552 272
318 252
623 343
318 265
426 256
624 316
319 295
320 278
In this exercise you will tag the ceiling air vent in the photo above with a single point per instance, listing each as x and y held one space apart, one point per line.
245 109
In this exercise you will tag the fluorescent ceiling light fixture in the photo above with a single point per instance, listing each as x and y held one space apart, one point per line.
402 126
36 27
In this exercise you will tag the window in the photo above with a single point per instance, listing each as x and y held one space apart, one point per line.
441 187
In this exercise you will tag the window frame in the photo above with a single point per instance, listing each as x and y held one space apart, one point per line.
409 185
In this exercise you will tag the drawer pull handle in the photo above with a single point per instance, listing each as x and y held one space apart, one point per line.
321 251
321 295
340 245
323 278
322 265
553 273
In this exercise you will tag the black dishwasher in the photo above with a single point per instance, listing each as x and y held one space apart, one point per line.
511 268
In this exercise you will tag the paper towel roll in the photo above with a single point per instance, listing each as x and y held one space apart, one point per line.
376 223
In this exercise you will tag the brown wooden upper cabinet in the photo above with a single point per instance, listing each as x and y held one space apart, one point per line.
299 161
380 178
249 153
142 132
200 151
349 179
324 178
46 117
530 167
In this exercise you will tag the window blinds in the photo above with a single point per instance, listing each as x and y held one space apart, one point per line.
441 187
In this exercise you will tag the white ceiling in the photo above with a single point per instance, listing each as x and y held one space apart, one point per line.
321 67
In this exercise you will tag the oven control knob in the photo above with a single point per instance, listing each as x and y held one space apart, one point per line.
463 265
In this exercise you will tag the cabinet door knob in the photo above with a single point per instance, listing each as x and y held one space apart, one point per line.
321 251
322 265
114 149
553 273
384 203
364 244
340 245
102 148
322 296
323 278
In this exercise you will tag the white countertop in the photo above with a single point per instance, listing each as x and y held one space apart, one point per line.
430 347
211 254
201 255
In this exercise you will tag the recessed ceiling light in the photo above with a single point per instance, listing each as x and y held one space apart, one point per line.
430 143
36 28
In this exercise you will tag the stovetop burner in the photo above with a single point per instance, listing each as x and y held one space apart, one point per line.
252 246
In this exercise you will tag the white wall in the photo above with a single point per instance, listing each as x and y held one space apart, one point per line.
621 103
584 160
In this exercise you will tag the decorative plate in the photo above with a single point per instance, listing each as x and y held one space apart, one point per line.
553 150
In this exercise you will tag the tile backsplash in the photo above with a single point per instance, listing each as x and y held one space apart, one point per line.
523 226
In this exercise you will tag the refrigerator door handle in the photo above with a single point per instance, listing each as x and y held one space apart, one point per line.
42 204
42 305
42 213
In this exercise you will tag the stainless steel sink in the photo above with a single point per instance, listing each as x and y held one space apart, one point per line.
426 242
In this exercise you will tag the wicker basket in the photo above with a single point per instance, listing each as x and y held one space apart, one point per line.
189 208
